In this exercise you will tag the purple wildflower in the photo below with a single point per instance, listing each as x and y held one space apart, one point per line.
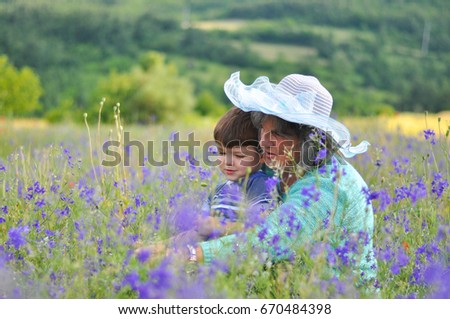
406 226
416 274
204 174
262 234
321 155
66 151
343 253
275 240
322 169
129 211
441 235
271 184
4 209
132 280
38 189
401 192
184 215
415 191
438 185
192 290
55 188
395 269
66 199
418 191
288 219
145 172
437 276
139 201
331 255
191 160
212 150
36 225
30 194
157 219
99 246
49 233
131 238
370 195
334 169
160 282
17 236
386 255
379 162
143 255
385 199
310 193
326 220
174 135
164 176
2 168
254 215
40 203
20 189
88 194
398 167
63 212
429 135
79 230
402 258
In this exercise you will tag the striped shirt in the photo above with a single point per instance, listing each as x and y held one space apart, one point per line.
231 200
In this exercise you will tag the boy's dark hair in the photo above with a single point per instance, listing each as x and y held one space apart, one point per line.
235 128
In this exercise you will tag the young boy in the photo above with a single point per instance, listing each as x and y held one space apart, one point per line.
245 189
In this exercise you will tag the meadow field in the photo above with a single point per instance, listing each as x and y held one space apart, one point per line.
69 225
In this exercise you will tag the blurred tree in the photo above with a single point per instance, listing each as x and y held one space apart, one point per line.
153 91
64 112
72 44
20 90
207 104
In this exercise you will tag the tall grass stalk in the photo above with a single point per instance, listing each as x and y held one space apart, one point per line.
99 144
91 155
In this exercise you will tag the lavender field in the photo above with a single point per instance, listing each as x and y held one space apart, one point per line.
69 225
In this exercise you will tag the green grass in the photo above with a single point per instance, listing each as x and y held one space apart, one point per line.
78 235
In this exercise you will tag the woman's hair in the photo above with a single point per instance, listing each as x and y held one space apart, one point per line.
235 128
317 146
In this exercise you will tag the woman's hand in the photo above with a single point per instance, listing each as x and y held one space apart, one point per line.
207 226
175 247
152 252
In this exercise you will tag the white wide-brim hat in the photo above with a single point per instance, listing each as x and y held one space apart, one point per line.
298 99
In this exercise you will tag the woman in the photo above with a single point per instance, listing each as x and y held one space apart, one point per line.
322 198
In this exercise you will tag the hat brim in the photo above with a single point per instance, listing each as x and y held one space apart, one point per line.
263 96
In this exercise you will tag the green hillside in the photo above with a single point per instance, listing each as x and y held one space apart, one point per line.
374 56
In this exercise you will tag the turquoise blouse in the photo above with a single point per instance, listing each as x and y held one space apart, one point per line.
325 203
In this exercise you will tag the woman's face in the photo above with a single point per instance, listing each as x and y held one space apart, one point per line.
279 150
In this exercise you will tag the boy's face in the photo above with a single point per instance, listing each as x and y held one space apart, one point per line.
238 161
